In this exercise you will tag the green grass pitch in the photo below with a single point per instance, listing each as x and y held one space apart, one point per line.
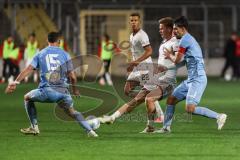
197 138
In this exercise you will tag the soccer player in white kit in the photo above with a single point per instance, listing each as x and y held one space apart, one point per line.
141 52
162 84
162 79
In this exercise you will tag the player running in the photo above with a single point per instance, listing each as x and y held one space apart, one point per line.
161 82
55 68
191 89
141 52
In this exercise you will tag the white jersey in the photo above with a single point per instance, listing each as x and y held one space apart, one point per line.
170 75
171 45
138 42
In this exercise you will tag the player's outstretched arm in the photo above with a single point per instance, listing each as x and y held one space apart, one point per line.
12 85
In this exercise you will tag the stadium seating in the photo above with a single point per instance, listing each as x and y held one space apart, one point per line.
32 18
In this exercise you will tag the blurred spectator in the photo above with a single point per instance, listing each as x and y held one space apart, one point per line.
15 57
105 52
229 54
99 48
237 58
31 49
7 47
63 43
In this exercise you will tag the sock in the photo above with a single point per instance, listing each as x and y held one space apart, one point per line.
31 112
158 108
116 115
80 119
108 78
150 123
205 112
168 115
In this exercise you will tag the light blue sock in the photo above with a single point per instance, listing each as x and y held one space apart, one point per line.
80 119
168 115
205 112
31 112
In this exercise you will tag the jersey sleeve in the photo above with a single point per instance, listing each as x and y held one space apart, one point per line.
35 61
183 45
144 40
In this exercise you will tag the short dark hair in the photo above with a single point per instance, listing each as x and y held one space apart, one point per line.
53 37
32 35
166 21
106 36
181 22
135 14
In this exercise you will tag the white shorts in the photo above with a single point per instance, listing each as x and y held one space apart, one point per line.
167 86
141 73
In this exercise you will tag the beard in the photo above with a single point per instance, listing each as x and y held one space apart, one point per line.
178 36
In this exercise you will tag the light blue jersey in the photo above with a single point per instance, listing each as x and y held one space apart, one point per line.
192 55
53 64
193 88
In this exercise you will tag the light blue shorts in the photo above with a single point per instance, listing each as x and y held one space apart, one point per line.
51 95
191 90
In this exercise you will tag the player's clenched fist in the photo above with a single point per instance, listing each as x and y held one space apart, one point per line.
11 87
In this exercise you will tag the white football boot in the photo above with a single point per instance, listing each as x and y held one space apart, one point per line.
31 130
106 119
92 134
163 130
221 119
148 129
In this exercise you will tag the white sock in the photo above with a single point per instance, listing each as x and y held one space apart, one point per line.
116 115
10 79
108 78
158 108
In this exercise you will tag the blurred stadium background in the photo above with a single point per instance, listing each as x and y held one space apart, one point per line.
82 22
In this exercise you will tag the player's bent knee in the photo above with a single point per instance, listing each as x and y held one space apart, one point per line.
172 100
149 100
26 97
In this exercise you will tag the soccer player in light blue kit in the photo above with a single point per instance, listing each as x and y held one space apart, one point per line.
191 89
55 68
